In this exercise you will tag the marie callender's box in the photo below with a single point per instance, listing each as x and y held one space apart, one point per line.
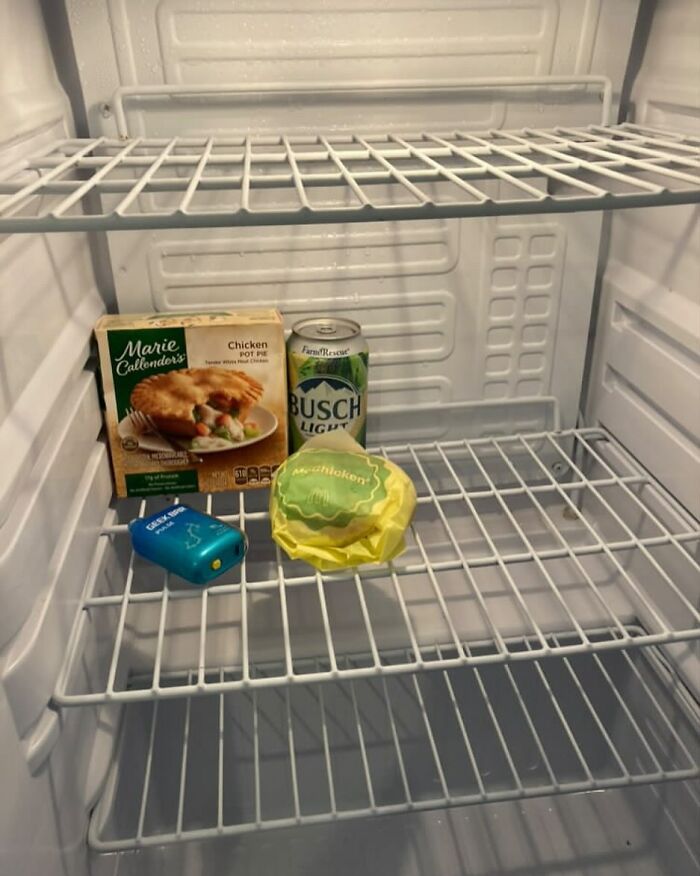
196 402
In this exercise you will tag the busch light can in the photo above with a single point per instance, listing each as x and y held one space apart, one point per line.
327 360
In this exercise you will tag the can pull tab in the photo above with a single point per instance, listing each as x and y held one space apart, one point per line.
326 330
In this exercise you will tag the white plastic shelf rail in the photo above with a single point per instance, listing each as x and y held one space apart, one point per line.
203 182
258 760
515 536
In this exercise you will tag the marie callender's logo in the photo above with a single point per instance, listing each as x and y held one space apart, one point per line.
138 353
324 403
146 355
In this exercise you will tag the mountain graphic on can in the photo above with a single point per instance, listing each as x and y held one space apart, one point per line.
327 361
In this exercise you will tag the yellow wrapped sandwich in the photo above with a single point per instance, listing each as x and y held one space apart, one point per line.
336 506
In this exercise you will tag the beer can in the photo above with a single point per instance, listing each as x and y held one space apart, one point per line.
327 361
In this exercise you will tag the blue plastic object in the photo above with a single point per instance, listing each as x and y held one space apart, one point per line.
195 546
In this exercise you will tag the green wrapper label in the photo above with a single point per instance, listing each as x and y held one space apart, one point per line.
328 488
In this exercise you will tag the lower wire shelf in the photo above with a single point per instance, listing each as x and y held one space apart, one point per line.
513 538
244 761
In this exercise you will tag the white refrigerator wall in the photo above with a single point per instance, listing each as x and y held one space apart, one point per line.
54 480
645 385
48 304
645 379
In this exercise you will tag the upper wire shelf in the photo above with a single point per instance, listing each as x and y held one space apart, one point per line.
190 182
553 533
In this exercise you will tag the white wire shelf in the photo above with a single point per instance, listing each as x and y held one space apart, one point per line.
258 760
188 182
519 536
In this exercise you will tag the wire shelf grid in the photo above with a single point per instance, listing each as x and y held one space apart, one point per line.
260 760
186 182
500 548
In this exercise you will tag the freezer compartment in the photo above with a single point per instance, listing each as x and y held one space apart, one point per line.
554 538
205 767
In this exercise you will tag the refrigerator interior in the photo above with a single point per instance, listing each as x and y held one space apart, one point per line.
518 692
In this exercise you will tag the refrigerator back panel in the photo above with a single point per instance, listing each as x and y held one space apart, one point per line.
453 310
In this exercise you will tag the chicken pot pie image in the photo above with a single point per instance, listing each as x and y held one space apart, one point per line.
200 403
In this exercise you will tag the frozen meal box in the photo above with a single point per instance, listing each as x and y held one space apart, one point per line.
194 402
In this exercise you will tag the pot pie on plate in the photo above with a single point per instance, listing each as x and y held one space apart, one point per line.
206 409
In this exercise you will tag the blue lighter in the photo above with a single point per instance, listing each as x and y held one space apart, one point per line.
195 546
